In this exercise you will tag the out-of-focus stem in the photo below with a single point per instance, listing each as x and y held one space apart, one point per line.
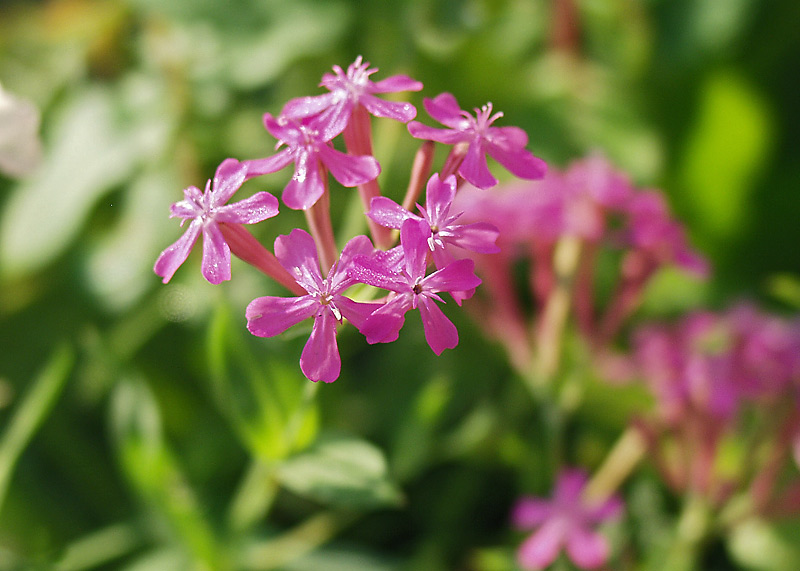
565 28
358 140
420 172
553 320
319 222
454 160
626 454
244 246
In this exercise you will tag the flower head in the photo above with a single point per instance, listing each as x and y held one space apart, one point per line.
206 210
307 145
567 520
413 290
351 88
505 144
268 316
442 227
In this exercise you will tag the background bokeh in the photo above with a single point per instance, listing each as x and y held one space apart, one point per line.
134 414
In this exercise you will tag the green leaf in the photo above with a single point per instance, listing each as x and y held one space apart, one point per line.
89 153
341 471
32 411
155 473
269 404
765 546
726 149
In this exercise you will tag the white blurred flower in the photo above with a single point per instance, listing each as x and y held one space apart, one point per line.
20 147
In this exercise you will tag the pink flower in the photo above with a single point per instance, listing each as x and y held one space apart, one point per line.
413 289
350 89
268 316
442 230
308 146
206 210
654 232
505 144
565 521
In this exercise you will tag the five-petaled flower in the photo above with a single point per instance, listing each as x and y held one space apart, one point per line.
349 89
443 231
568 520
505 144
207 209
268 316
413 290
309 147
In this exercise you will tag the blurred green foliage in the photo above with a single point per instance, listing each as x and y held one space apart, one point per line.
141 427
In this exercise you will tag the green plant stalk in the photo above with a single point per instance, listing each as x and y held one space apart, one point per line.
30 414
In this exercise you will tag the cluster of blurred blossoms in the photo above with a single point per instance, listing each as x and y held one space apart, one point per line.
708 374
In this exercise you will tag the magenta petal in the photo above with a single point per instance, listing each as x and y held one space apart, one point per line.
474 168
229 177
445 109
297 253
258 207
609 509
276 162
338 277
570 485
385 323
374 271
587 549
306 186
440 333
189 207
269 316
541 548
355 312
456 276
446 136
518 161
349 170
398 110
439 196
509 137
172 257
531 512
478 237
307 106
388 213
414 239
216 265
320 359
396 83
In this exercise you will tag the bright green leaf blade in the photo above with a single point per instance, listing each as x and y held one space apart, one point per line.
725 151
32 411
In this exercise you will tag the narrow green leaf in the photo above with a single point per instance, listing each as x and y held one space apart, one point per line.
32 411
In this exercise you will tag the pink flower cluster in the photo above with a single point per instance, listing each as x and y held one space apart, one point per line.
308 263
596 205
715 376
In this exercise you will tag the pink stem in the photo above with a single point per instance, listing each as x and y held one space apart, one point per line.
358 140
244 246
319 222
420 172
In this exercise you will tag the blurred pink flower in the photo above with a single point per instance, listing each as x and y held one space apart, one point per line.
566 521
